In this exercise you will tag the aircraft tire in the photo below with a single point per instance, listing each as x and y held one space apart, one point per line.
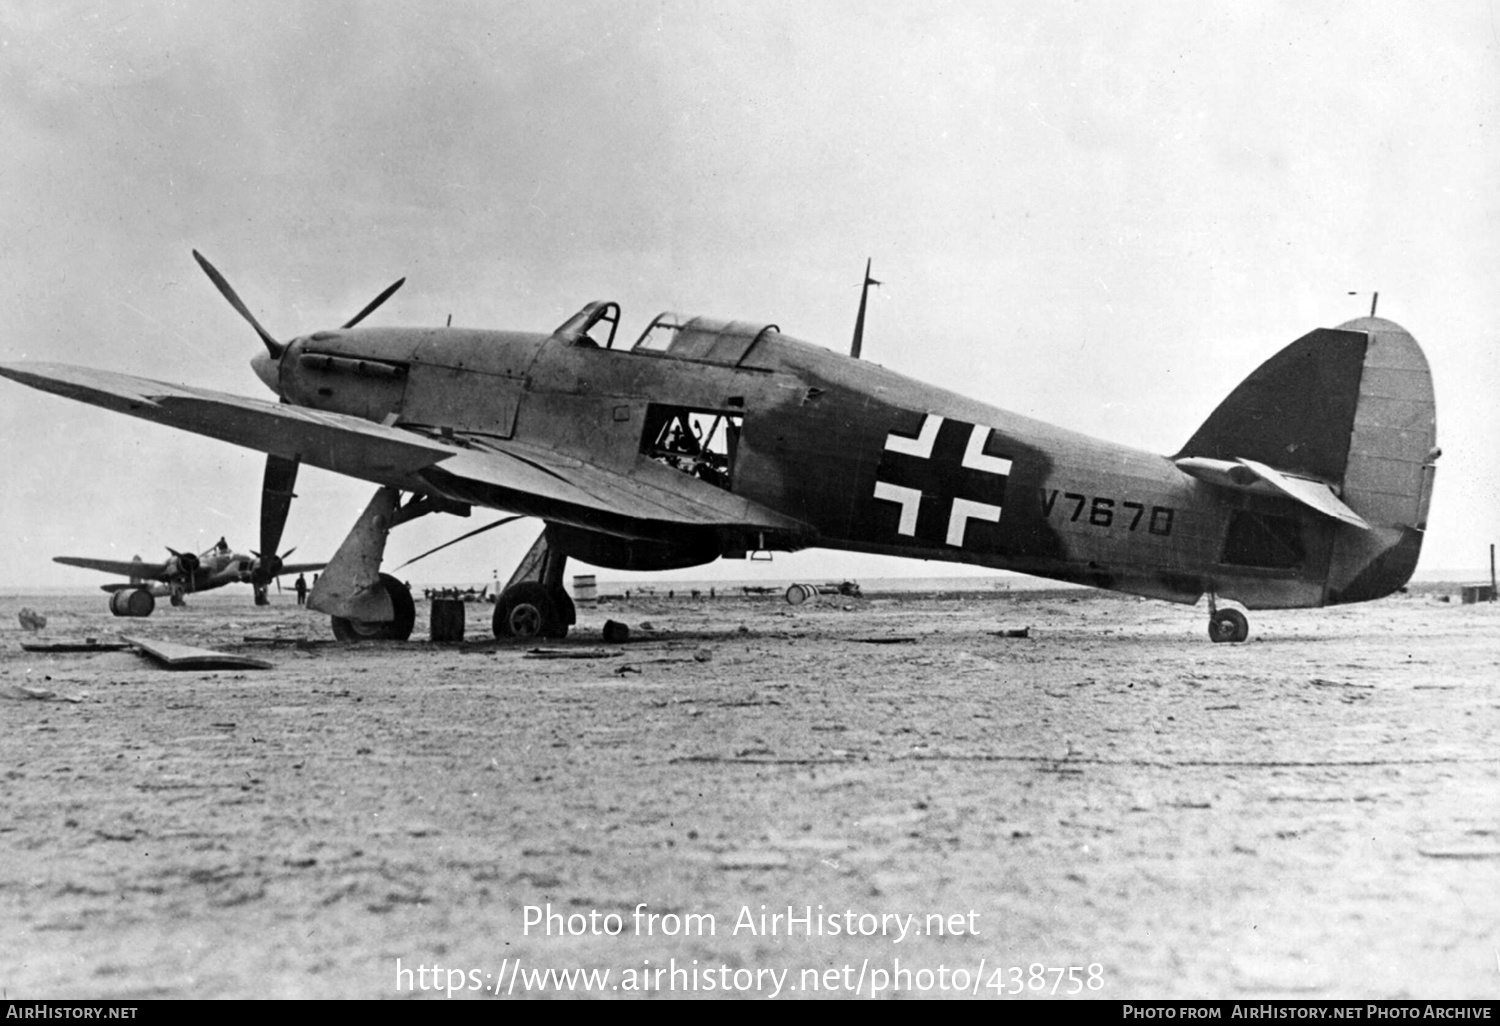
527 611
398 629
177 598
1228 625
567 613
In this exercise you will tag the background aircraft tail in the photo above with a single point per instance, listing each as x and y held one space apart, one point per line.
1352 407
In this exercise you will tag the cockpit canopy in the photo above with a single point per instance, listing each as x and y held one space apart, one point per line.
698 338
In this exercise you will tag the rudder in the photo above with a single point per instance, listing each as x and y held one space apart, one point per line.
1389 477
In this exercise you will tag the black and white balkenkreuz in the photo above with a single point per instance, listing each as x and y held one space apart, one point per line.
942 477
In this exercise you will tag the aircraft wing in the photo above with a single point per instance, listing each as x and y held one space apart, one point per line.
123 567
300 568
330 441
158 589
649 492
514 476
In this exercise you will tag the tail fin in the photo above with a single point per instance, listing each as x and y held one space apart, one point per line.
1351 407
1295 412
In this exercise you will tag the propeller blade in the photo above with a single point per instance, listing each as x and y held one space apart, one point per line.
275 503
390 291
275 347
455 541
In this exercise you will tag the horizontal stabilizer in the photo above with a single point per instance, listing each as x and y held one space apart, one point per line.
1250 476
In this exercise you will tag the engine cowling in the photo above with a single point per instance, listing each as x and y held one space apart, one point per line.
182 564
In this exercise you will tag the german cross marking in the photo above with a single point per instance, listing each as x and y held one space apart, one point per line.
940 475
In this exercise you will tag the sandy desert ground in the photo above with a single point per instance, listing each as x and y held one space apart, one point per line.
1313 814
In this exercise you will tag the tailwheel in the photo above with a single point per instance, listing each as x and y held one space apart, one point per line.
398 629
1228 625
529 610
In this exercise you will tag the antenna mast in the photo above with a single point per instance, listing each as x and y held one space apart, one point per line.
859 320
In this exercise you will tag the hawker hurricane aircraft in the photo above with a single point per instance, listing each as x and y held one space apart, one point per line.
706 439
184 573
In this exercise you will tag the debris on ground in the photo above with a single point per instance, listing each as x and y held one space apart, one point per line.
21 692
86 645
573 653
187 657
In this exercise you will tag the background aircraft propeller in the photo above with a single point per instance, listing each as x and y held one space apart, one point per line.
268 568
187 563
281 473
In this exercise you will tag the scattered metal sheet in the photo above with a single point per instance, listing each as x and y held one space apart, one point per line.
186 657
86 645
897 640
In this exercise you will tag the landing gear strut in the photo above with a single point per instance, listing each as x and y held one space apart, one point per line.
1226 624
364 604
534 604
367 605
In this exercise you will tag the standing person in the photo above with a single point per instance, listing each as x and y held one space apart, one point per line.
301 590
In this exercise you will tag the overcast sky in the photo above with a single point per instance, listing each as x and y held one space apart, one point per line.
1101 214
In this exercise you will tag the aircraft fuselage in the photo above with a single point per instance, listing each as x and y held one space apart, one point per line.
862 458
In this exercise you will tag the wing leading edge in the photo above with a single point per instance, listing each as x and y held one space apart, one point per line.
125 568
505 475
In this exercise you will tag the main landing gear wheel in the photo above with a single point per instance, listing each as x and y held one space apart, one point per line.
398 629
1228 625
567 613
532 610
